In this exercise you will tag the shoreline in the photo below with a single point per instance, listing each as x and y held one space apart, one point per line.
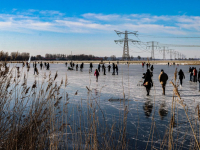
160 62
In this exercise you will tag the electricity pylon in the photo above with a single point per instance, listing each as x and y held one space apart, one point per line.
163 50
175 52
170 51
152 46
125 40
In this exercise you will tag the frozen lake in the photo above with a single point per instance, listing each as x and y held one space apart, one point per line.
142 109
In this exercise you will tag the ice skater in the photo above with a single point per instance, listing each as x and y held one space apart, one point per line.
116 67
48 66
163 77
181 76
96 73
103 66
99 67
148 81
91 66
109 68
194 75
152 68
113 66
81 67
41 65
104 70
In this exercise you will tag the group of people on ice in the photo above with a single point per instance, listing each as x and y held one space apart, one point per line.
148 83
114 66
193 74
163 77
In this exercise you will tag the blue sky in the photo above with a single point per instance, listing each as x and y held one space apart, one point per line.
87 26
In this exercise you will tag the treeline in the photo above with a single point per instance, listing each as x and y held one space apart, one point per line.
16 56
5 56
65 57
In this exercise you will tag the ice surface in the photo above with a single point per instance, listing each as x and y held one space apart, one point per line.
142 109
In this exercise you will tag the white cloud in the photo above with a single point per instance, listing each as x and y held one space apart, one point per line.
101 16
55 21
51 12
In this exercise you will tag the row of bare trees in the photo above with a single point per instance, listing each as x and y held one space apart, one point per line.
14 56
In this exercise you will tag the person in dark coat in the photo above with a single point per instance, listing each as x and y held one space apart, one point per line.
109 68
190 71
152 68
76 67
147 65
48 66
116 67
99 67
81 67
103 67
148 81
163 77
35 68
41 65
113 66
91 66
104 70
181 76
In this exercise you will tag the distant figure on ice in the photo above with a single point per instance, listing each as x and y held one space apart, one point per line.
71 64
99 67
41 65
91 66
163 77
96 73
48 66
81 67
116 67
147 65
152 68
194 75
113 66
199 79
104 70
76 67
66 64
103 66
142 64
109 68
191 73
35 68
148 81
181 76
168 64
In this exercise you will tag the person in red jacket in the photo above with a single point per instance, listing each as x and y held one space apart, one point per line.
96 73
195 75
